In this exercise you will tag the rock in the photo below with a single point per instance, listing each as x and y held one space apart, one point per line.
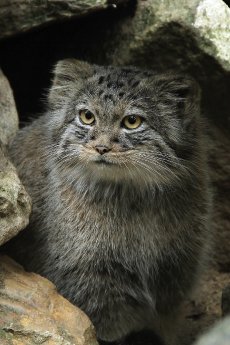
23 15
32 312
218 335
225 302
207 20
8 112
15 203
212 21
205 308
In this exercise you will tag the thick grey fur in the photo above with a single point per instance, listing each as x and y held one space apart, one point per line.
124 239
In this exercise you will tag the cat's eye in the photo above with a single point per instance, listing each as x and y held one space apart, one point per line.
132 121
86 117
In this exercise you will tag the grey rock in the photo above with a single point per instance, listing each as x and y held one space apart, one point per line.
15 203
218 335
23 15
8 112
207 20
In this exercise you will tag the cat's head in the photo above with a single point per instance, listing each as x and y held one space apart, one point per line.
123 124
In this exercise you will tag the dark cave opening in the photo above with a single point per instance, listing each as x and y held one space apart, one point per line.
28 59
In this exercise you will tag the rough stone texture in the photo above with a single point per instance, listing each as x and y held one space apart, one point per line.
219 335
23 15
212 21
15 204
32 312
205 307
207 20
8 112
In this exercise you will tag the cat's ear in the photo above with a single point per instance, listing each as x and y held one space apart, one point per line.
68 74
182 92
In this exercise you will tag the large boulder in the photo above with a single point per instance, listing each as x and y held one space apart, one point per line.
32 312
15 203
8 111
218 335
23 15
160 27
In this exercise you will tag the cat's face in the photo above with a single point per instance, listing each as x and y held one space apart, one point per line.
123 124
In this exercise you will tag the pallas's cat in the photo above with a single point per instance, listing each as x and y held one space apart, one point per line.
116 170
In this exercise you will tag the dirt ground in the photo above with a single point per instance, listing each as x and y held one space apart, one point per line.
202 312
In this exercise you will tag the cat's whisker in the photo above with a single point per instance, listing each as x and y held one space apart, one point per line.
140 175
148 169
180 160
170 160
162 160
162 167
158 169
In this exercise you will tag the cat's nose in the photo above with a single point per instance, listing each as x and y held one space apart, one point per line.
102 149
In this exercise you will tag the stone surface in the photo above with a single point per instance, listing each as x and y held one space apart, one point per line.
32 312
8 112
205 307
23 15
212 20
219 335
15 203
207 20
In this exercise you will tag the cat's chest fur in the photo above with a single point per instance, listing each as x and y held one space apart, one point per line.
119 227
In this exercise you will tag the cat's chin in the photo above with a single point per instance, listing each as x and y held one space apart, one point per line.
106 170
111 172
103 163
